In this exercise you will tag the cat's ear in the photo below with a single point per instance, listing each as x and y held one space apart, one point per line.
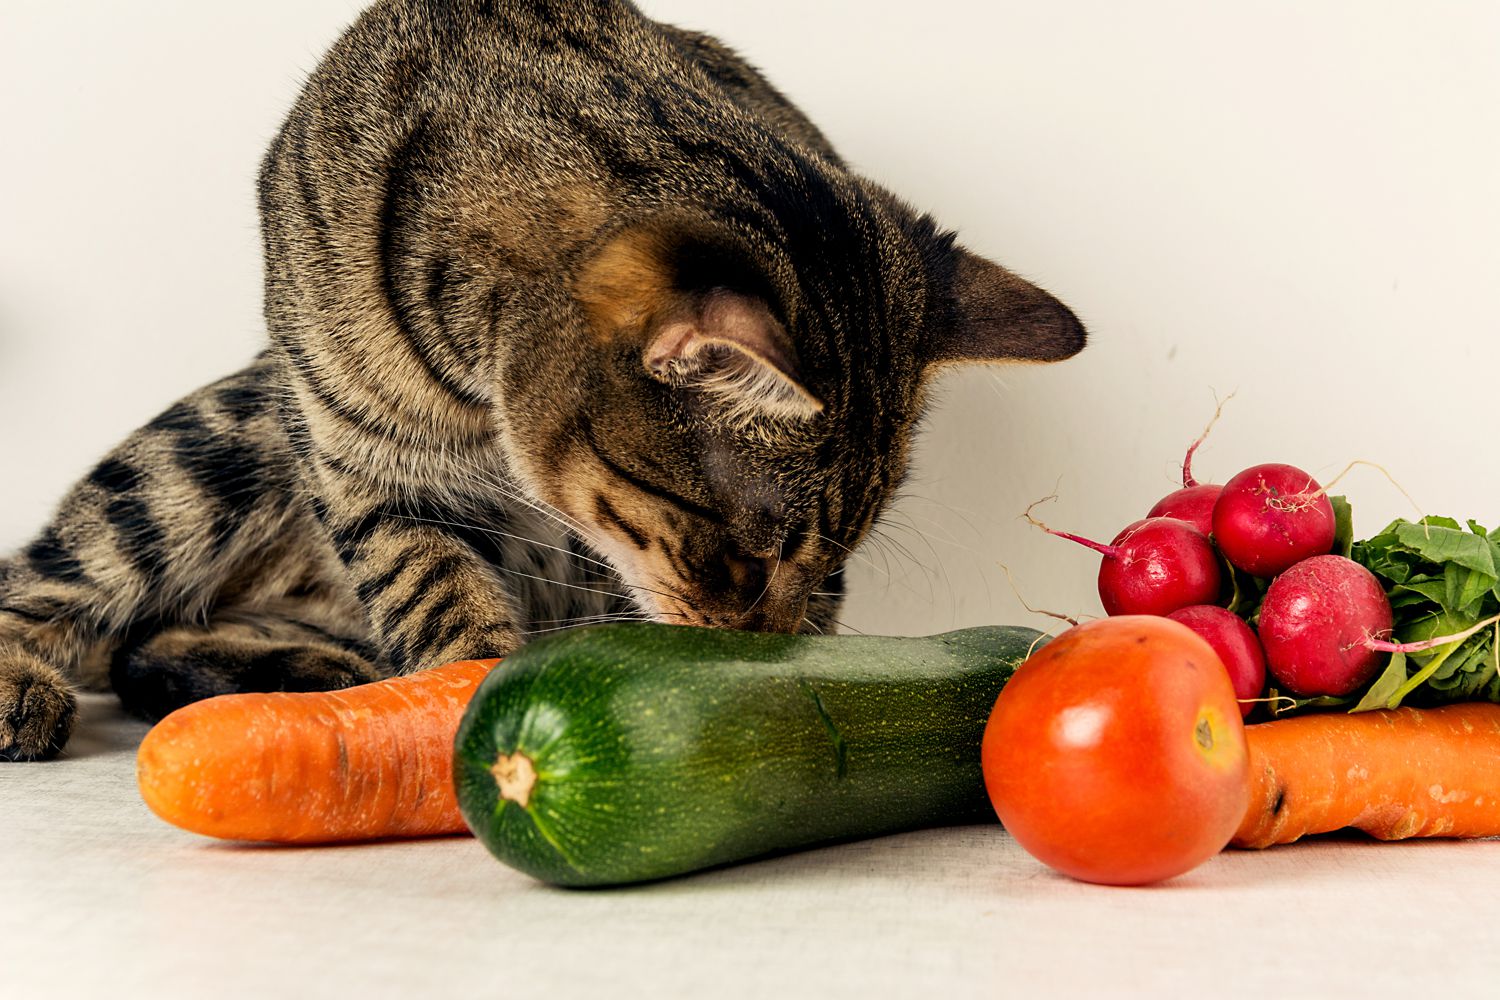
997 316
696 314
728 345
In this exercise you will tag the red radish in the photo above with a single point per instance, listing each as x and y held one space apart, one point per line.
1315 623
1193 504
1236 645
1153 567
1271 517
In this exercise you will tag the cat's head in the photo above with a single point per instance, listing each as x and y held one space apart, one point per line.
698 334
737 410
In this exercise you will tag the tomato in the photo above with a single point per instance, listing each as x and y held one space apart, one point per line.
1116 753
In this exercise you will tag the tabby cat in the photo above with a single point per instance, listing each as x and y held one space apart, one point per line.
572 316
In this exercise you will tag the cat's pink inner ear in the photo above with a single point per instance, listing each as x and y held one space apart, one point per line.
1000 316
731 345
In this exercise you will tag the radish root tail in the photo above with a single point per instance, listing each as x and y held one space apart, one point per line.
1386 646
1025 604
1302 501
1275 700
1107 551
1187 460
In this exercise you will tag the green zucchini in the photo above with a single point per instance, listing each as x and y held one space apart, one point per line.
626 752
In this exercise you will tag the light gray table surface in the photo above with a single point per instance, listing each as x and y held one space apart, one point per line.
100 899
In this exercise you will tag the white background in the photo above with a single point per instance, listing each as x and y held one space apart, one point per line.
1299 202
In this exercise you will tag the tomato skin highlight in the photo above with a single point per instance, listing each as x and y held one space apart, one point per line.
1116 753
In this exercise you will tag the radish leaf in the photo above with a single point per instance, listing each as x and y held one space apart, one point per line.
1441 580
1436 542
1343 525
1380 692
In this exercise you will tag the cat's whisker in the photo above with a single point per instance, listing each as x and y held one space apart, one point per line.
875 543
507 534
940 534
515 494
596 620
879 534
926 538
581 624
962 513
882 531
628 616
560 583
870 563
511 492
814 624
564 628
487 480
767 588
508 491
852 555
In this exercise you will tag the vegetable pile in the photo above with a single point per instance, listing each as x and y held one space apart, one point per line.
1117 752
1265 569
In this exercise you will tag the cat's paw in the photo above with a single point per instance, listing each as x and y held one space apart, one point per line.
37 709
323 668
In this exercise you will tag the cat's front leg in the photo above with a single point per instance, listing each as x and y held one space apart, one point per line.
430 598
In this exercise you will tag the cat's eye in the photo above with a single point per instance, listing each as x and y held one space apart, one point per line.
749 572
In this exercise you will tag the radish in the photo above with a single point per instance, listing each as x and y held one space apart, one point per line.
1194 503
1316 622
1153 567
1236 645
1271 517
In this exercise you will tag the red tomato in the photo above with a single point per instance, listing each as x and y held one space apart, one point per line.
1116 753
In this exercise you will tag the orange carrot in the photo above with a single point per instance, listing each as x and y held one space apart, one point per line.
1405 773
317 767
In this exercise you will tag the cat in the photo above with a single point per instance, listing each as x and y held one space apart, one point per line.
573 316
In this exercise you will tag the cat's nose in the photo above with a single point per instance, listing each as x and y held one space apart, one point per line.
774 616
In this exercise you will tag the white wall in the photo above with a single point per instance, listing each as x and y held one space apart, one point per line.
1299 202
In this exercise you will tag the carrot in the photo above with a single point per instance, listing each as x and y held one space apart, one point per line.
306 768
1393 774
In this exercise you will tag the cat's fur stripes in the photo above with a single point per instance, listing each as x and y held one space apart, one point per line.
476 219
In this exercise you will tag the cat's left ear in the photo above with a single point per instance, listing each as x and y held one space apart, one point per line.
686 299
728 345
997 316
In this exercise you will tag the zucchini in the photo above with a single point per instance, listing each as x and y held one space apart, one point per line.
627 752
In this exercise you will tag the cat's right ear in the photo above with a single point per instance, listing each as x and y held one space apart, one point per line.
995 315
674 296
